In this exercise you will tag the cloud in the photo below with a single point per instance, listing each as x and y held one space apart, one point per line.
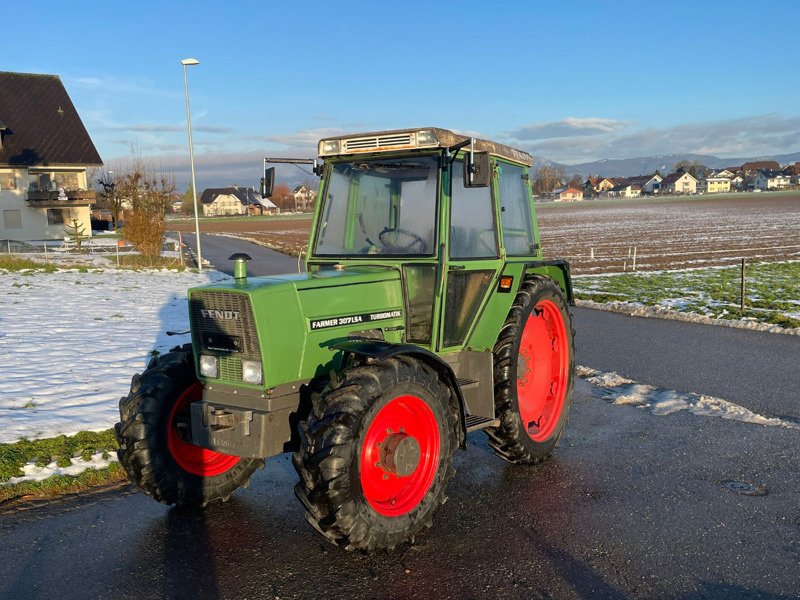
755 135
306 138
568 127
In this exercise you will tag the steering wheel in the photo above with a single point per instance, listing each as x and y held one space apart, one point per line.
398 234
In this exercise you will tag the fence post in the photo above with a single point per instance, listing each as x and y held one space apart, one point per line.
744 267
591 253
8 244
634 259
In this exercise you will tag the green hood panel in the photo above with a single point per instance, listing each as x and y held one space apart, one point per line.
298 317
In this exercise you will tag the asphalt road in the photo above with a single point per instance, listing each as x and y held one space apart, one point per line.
217 249
756 369
632 505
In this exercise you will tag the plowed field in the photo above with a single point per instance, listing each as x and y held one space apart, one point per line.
601 236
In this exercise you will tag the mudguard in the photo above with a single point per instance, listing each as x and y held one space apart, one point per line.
381 350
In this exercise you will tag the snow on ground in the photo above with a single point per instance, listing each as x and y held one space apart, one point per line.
659 401
636 309
78 466
70 342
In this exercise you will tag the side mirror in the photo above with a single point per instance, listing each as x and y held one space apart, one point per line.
479 167
268 182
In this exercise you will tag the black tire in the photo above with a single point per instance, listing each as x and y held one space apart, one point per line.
142 434
332 438
510 440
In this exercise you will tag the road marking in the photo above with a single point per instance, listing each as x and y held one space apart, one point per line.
660 401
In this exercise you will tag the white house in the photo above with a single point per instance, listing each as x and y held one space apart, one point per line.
234 200
303 197
44 153
649 184
767 179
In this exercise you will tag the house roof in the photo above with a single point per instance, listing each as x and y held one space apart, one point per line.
572 190
771 173
246 196
42 125
757 165
673 177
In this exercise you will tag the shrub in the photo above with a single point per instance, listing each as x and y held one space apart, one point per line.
145 230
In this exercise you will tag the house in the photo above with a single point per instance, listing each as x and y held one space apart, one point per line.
234 200
723 173
44 153
768 179
738 183
716 184
757 165
304 197
679 183
648 184
626 190
567 194
604 184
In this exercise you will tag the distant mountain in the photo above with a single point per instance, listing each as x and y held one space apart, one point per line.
628 167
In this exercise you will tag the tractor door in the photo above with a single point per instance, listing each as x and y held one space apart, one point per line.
473 258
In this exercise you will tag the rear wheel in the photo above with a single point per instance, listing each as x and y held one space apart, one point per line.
534 368
153 436
376 453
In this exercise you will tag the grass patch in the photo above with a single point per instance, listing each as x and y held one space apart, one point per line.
138 261
11 262
62 484
59 449
772 294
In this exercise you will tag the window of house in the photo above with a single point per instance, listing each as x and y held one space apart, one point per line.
58 216
12 219
50 181
472 231
516 211
8 181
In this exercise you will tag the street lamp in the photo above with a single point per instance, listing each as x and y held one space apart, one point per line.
188 62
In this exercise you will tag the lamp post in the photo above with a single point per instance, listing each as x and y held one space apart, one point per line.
188 62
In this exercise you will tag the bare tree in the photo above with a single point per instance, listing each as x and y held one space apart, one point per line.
548 178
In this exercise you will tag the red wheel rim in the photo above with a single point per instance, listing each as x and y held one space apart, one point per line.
191 458
390 494
542 370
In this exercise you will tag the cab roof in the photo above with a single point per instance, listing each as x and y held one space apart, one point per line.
416 138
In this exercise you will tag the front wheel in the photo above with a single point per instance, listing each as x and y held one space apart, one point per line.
534 366
154 442
376 453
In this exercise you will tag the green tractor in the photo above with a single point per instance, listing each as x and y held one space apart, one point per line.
426 312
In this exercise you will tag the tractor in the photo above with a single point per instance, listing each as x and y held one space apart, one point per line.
426 311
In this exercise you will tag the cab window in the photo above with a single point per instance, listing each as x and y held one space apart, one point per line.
516 211
472 230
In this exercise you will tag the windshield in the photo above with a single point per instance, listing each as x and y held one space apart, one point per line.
380 206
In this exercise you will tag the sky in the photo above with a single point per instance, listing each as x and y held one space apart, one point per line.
566 80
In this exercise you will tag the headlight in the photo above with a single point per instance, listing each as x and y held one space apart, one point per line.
209 366
251 372
426 138
329 147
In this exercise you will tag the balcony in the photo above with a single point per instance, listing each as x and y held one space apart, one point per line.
38 198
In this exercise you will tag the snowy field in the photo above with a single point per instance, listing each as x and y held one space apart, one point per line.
70 342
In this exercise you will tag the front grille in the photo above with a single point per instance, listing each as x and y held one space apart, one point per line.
380 141
223 324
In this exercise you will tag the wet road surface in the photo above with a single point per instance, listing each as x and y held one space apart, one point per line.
631 505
